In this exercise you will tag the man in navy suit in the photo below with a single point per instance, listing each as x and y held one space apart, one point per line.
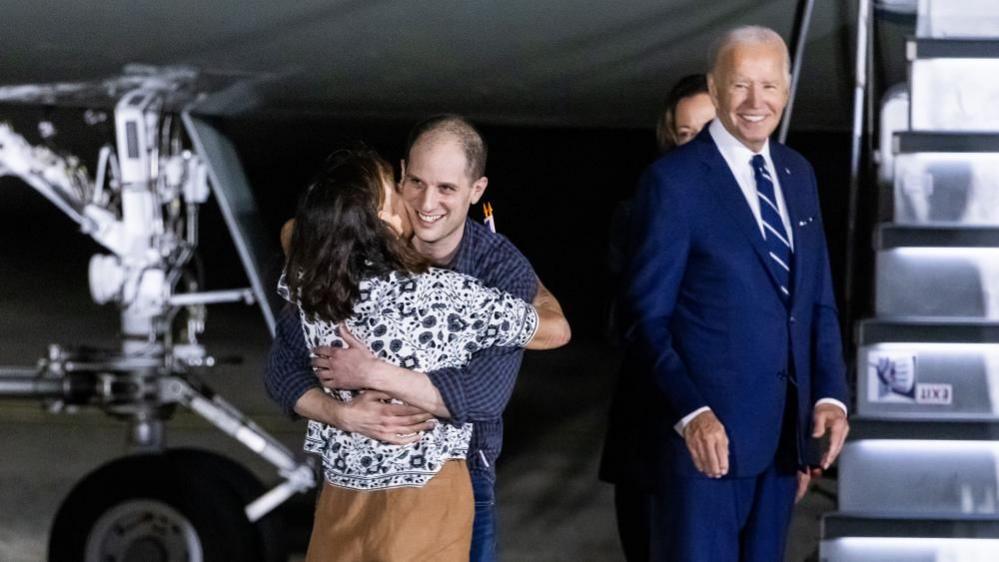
731 304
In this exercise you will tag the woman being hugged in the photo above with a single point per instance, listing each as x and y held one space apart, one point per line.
350 264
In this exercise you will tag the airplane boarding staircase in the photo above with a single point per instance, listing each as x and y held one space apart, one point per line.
919 478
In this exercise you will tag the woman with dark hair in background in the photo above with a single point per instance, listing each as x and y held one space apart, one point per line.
687 109
350 265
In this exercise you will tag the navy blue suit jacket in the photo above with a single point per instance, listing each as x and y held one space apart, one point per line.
705 312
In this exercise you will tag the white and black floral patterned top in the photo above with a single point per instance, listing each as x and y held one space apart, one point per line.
423 323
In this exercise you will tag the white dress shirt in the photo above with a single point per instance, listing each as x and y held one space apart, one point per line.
739 159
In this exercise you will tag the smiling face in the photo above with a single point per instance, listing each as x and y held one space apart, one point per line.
749 87
438 191
691 115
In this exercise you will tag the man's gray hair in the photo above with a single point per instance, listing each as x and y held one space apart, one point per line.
752 34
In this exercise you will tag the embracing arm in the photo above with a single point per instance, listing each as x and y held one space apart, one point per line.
553 328
481 389
477 391
369 414
288 374
451 393
290 382
355 367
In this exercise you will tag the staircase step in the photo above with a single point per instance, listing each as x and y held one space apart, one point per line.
931 271
922 48
891 236
905 478
954 94
864 427
945 188
856 538
870 549
924 330
957 18
938 274
910 142
929 381
842 525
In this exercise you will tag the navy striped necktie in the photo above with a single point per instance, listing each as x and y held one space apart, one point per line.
774 233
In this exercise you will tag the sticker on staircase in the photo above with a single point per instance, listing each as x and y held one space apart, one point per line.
892 377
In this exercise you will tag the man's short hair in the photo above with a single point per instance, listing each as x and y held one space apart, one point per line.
463 131
746 34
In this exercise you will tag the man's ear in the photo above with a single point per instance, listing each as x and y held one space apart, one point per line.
402 174
478 188
712 89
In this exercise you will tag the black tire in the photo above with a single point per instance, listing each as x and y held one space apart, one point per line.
269 531
178 505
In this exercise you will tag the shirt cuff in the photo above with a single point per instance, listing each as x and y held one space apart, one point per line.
682 424
448 384
834 402
293 392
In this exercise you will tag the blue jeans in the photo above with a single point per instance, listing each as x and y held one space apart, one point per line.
484 526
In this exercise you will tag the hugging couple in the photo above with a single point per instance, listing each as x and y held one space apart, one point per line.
401 345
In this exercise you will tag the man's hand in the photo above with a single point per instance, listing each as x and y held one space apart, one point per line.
370 414
708 444
829 418
345 368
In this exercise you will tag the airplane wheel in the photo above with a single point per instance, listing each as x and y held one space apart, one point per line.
269 531
178 505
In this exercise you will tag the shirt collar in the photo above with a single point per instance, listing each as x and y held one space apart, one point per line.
732 148
463 257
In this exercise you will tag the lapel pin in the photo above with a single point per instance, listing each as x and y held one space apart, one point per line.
787 171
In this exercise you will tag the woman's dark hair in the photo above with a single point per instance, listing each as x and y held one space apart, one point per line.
689 85
339 239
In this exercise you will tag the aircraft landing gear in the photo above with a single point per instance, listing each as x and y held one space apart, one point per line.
180 504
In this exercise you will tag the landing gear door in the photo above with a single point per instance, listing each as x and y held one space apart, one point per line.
258 252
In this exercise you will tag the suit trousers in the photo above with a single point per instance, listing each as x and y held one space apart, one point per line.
724 520
699 519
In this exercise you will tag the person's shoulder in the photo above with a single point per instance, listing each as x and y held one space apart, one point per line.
682 155
489 244
789 157
680 166
495 259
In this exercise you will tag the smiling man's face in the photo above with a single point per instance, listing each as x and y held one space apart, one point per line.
438 191
749 87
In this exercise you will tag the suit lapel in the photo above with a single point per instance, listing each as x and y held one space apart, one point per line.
728 192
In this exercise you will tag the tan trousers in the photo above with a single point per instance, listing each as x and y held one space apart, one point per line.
432 523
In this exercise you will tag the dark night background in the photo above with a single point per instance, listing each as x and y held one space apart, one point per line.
553 191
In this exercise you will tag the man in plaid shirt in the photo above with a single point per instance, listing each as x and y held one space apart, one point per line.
442 177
